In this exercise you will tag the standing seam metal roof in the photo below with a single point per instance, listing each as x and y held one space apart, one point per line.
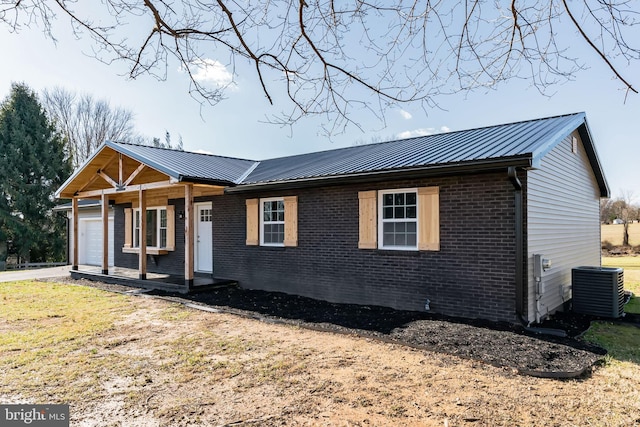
495 142
520 142
184 165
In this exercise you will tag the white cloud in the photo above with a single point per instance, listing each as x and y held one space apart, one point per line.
405 114
211 71
422 132
416 132
201 151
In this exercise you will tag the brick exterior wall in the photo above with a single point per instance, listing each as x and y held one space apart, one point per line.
473 275
172 263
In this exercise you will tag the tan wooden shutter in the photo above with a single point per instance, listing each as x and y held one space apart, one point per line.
368 220
128 227
429 219
171 227
291 221
253 216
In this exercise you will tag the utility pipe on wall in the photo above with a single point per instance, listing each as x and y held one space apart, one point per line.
519 232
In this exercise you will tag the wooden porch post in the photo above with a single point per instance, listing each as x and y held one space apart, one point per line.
105 234
74 221
188 236
142 238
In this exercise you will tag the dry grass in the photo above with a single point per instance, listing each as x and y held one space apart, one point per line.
134 361
631 267
613 233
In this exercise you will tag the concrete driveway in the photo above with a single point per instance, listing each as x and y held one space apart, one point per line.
41 273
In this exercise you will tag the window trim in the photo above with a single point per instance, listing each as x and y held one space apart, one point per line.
262 222
381 221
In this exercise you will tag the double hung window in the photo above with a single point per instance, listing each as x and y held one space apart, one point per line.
272 222
398 213
160 233
405 219
156 236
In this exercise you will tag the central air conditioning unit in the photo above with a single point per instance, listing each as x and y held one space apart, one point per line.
598 291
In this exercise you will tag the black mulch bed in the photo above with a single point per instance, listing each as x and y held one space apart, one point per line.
499 344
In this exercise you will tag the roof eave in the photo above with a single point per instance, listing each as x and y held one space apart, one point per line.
121 148
592 155
550 144
524 161
59 192
205 181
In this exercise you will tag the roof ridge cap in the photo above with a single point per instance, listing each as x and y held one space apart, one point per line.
247 172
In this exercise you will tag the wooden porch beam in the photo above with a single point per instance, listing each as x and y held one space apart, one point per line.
107 178
133 188
74 221
188 236
105 234
142 237
120 171
134 174
89 182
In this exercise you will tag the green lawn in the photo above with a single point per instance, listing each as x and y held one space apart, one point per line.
621 341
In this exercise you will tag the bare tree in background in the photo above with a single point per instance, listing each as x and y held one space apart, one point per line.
622 209
314 57
86 122
627 212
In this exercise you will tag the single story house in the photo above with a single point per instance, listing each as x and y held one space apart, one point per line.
482 223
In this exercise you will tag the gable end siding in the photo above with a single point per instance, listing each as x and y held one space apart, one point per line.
563 222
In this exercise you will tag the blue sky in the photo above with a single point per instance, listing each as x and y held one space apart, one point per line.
236 126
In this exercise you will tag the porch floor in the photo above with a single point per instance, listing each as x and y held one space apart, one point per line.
160 281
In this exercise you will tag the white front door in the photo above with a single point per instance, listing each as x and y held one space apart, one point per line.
203 233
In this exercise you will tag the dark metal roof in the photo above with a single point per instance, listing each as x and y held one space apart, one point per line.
187 166
531 139
521 144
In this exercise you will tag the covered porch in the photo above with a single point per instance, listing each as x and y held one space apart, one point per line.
144 180
154 281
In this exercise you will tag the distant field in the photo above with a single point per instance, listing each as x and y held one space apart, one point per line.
612 233
631 266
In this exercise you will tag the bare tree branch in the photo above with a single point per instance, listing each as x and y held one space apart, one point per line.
330 59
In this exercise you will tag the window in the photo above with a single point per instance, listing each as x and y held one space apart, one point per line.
398 214
156 228
160 233
272 222
205 215
162 229
400 219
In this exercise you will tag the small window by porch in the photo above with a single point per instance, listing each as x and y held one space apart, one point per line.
160 233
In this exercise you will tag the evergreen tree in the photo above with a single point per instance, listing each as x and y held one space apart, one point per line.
33 165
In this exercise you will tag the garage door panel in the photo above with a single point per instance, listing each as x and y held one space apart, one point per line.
90 242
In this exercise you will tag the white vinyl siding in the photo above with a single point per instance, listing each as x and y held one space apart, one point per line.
563 205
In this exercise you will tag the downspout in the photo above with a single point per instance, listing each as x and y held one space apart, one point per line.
519 231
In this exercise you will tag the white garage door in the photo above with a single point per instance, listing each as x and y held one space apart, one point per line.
90 242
